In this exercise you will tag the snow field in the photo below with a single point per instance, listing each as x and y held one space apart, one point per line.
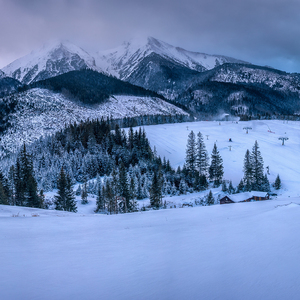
239 251
170 141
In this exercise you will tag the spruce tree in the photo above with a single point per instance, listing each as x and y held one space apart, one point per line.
60 199
248 171
3 196
230 188
277 183
203 184
202 158
224 186
100 199
65 198
70 196
216 167
124 187
240 188
257 168
210 199
155 191
191 154
84 193
25 182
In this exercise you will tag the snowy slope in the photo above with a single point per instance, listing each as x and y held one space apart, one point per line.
170 141
240 251
123 60
49 61
2 74
40 112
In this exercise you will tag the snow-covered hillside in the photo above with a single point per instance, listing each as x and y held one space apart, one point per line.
170 141
40 112
123 61
272 78
51 60
240 251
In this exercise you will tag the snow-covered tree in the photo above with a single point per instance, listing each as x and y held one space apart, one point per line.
210 199
257 168
202 159
277 183
216 167
191 154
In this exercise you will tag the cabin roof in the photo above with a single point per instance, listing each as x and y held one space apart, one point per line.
246 195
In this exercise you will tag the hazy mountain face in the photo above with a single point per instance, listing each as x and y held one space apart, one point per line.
48 62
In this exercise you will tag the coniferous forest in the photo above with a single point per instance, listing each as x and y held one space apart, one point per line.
117 166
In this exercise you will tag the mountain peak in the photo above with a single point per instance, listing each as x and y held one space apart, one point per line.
123 60
52 59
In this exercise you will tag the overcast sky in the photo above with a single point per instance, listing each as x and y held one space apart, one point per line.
263 32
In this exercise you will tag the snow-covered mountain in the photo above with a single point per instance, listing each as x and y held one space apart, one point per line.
124 60
40 111
2 74
49 61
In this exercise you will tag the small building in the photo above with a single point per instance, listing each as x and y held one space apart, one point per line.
244 197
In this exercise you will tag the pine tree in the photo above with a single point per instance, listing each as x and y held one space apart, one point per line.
266 184
25 182
257 168
3 196
216 168
155 191
210 199
203 184
60 199
277 183
65 200
191 154
202 158
100 205
248 171
70 196
124 187
182 187
230 188
240 187
224 186
84 194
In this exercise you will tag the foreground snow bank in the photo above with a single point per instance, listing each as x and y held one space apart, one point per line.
239 251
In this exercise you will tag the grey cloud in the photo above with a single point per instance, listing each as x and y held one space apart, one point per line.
263 32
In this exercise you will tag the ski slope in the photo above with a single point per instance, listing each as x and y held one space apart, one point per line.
170 141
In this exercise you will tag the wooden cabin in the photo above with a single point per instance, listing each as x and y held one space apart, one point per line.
244 197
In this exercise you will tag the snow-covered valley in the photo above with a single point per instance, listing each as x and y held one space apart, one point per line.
236 251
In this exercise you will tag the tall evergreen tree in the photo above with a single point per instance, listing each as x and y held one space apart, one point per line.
3 196
257 168
277 183
100 204
191 154
202 159
25 182
124 187
248 171
210 199
65 200
155 191
216 167
70 196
